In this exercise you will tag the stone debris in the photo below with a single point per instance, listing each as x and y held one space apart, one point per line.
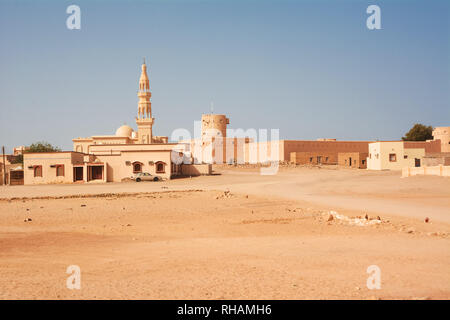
353 221
225 194
83 205
427 220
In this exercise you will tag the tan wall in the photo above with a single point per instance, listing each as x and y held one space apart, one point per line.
312 158
196 169
437 159
358 160
443 171
323 147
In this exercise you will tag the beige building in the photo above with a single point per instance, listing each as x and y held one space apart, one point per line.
108 158
443 134
353 159
392 155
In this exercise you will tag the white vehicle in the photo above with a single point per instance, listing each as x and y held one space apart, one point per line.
145 176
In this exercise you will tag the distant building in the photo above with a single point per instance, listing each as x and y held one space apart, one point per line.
356 160
443 134
395 155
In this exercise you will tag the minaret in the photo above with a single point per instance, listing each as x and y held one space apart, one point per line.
144 119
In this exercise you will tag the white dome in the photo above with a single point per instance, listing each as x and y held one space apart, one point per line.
124 131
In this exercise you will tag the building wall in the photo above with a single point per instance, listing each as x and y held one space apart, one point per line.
120 166
380 159
313 158
322 147
431 146
437 159
196 169
442 134
353 159
443 171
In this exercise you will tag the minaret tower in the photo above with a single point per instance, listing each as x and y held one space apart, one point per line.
144 119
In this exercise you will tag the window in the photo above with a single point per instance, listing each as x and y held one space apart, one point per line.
37 171
363 162
60 170
310 159
405 157
160 167
392 157
137 167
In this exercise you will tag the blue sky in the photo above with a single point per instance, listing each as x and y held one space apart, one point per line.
310 68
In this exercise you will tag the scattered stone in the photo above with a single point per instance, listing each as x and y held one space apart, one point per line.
330 217
83 205
128 225
28 209
378 218
366 217
410 230
246 196
427 220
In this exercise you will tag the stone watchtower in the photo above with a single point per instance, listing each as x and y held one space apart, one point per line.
144 119
212 124
443 134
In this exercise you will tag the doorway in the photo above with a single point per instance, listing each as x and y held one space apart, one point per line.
350 161
96 172
417 162
78 173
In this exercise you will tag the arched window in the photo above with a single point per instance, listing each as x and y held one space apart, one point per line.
160 167
137 167
37 171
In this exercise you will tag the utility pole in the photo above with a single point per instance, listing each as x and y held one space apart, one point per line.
4 166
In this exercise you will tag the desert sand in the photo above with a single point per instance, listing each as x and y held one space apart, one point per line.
234 235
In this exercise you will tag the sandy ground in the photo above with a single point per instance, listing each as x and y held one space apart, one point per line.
237 235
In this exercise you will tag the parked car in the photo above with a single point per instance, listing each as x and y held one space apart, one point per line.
145 176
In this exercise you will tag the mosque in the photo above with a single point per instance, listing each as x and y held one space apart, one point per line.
112 158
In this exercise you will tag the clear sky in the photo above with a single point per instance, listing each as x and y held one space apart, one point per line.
309 68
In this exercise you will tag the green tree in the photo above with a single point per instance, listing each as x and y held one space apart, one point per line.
42 146
419 132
